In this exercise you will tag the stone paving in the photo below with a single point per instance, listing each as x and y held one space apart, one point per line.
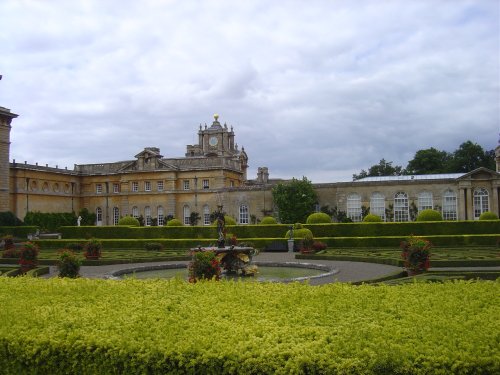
347 271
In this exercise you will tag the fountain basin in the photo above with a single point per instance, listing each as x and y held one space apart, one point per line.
281 272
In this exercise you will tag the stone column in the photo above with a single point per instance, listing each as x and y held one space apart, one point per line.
470 205
461 204
6 117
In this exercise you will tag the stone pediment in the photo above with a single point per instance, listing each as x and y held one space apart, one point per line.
480 174
148 164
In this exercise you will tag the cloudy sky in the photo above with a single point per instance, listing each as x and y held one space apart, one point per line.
320 89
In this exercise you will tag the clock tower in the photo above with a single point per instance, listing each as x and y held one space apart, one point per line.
216 140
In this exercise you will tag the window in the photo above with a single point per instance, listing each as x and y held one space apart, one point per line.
186 184
116 215
231 183
481 202
116 188
159 186
98 188
98 214
425 201
377 205
147 185
401 208
354 207
186 214
161 217
206 215
243 214
135 186
147 214
205 184
449 205
135 212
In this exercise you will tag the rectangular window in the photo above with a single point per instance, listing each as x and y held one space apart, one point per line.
159 186
147 186
98 188
186 184
231 183
116 188
206 184
450 207
135 186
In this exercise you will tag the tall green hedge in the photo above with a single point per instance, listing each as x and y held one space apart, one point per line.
21 232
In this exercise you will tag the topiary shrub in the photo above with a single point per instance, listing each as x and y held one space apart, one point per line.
229 220
318 218
429 215
129 220
488 216
174 223
268 220
69 264
372 218
153 246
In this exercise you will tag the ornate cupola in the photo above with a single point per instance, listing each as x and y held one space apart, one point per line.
216 140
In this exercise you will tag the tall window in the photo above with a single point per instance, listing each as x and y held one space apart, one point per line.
401 208
98 214
161 217
425 201
354 207
377 205
116 215
206 215
186 184
135 212
186 214
147 214
147 185
449 205
205 184
116 188
135 186
98 188
159 186
481 202
243 214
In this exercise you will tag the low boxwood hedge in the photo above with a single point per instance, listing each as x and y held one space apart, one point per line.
18 231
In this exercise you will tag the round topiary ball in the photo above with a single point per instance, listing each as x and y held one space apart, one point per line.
429 215
488 216
174 223
129 221
267 220
318 218
372 218
299 233
229 220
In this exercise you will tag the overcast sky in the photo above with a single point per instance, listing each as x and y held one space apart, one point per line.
320 89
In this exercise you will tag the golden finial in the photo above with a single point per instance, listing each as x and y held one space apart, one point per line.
216 117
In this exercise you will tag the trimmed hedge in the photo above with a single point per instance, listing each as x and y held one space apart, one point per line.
160 327
429 215
488 216
20 232
318 218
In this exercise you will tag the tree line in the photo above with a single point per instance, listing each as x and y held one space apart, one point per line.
467 157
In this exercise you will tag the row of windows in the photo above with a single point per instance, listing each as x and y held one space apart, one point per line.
160 215
205 184
134 187
46 187
401 205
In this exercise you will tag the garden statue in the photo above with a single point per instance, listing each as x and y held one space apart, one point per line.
221 229
78 220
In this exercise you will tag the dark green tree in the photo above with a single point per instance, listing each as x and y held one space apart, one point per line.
429 161
88 218
295 200
194 217
470 156
383 168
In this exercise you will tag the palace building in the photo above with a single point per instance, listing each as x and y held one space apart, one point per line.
214 172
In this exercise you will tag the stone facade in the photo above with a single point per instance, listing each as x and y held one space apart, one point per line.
214 172
6 117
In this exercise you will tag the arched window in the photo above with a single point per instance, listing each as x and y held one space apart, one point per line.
206 215
98 214
425 201
449 205
243 214
481 202
147 214
377 205
116 215
135 212
161 216
354 207
186 214
401 208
